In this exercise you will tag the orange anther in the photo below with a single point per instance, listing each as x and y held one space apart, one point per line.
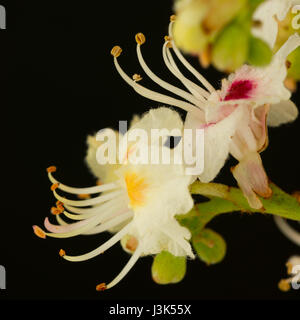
51 169
140 38
39 232
101 287
62 252
173 18
116 51
54 186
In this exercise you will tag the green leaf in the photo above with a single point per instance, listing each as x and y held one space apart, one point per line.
210 246
167 268
260 54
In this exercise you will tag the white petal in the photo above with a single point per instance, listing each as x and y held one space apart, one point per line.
281 113
267 12
217 139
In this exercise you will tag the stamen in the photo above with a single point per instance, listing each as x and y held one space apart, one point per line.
155 96
111 223
287 230
116 51
51 169
205 83
197 91
140 38
127 267
112 241
89 190
179 92
62 252
101 287
89 202
39 232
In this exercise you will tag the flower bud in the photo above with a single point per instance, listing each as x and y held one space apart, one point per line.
167 268
260 54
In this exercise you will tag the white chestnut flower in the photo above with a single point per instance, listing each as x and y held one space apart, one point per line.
233 118
139 200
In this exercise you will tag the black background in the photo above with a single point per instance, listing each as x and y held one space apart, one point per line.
62 86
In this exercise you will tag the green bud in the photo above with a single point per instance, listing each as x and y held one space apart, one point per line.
210 246
167 268
260 54
294 70
220 13
231 47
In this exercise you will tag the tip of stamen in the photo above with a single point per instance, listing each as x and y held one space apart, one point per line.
140 38
116 51
57 210
168 39
51 169
136 77
101 287
62 252
173 18
54 186
98 182
289 268
284 285
39 232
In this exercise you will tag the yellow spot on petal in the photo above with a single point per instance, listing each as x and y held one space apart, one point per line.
101 287
136 189
39 232
140 38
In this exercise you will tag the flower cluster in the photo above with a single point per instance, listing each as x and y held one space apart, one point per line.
140 203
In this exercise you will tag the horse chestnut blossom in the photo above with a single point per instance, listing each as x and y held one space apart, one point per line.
135 200
234 118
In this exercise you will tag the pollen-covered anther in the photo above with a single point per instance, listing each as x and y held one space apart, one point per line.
168 40
140 38
51 169
62 252
136 77
173 18
57 210
59 203
101 287
39 232
284 285
116 51
54 186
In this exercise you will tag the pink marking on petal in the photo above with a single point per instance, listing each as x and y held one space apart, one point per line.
240 89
